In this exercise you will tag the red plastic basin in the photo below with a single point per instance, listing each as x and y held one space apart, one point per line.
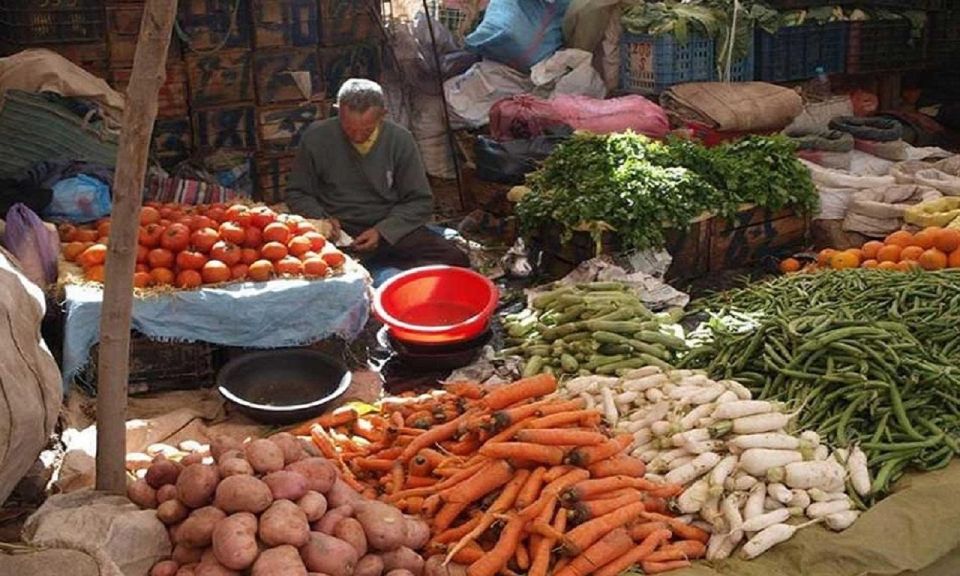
436 304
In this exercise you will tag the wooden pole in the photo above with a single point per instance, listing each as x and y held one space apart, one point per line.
149 72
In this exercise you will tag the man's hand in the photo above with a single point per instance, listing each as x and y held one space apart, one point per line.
367 241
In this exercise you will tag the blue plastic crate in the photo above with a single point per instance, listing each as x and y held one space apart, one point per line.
744 69
795 52
651 64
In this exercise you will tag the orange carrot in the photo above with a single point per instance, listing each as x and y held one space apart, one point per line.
655 504
469 390
561 563
561 419
540 555
607 495
503 502
388 453
323 442
603 551
560 437
430 505
552 492
374 464
433 436
533 387
414 504
556 472
350 480
469 554
339 417
681 529
457 476
522 556
637 554
618 465
526 451
419 466
658 567
581 537
432 457
640 531
509 432
541 524
531 488
486 480
396 478
447 514
562 406
410 431
367 429
419 482
584 511
457 532
587 455
420 419
592 487
681 550
497 558
666 491
466 445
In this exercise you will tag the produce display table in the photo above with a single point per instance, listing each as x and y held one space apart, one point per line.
275 314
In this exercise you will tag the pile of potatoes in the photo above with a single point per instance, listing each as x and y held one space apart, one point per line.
267 507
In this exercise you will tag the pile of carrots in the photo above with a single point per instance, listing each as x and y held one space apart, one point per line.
513 480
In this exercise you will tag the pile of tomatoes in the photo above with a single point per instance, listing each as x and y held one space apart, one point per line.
190 246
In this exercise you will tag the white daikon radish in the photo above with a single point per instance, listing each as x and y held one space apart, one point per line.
690 472
737 388
642 372
725 547
705 526
841 520
826 475
744 482
716 543
588 402
731 511
610 413
779 492
771 440
705 446
722 471
656 412
654 477
859 473
821 453
682 392
770 504
642 436
705 395
693 498
765 520
671 455
654 395
799 499
662 428
758 423
743 408
753 507
757 461
696 380
626 397
770 537
690 436
810 437
712 513
648 455
727 396
682 461
692 417
589 383
818 495
821 509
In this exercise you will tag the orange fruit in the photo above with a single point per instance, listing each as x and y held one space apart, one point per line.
889 253
845 259
141 279
253 237
871 248
926 237
214 272
73 249
103 228
149 215
261 270
947 240
187 279
227 253
911 253
900 238
298 245
887 265
95 273
162 276
907 265
276 232
788 265
232 232
869 263
85 235
334 259
303 227
317 241
274 251
953 261
190 260
316 268
933 259
93 256
160 258
823 258
238 271
289 266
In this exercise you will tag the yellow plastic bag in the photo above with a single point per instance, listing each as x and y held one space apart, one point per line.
955 224
940 212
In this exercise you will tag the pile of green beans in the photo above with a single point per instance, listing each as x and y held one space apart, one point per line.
590 328
871 357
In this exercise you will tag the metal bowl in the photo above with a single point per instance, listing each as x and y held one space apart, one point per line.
283 386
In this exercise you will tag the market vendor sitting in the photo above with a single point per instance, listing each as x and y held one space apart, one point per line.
363 173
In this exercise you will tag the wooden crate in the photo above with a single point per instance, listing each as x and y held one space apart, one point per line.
172 140
123 30
225 127
344 22
172 98
279 128
272 173
278 23
222 78
364 60
212 25
274 71
756 233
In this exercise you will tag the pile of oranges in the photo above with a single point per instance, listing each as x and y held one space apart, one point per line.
932 248
190 246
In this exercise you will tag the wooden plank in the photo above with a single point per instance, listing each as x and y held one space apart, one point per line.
690 250
122 49
278 23
172 140
751 216
272 173
750 244
364 60
225 127
346 22
279 128
222 78
211 24
172 99
275 70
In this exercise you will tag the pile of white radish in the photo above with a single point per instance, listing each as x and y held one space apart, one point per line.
747 479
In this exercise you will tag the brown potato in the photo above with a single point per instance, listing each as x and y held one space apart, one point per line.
309 447
286 485
164 568
243 494
197 529
162 472
384 525
186 555
142 494
319 472
324 553
418 533
284 523
369 565
349 530
235 467
290 446
279 561
188 570
166 492
172 511
329 522
340 494
221 444
402 558
193 458
234 544
196 485
400 572
264 456
231 453
314 505
214 568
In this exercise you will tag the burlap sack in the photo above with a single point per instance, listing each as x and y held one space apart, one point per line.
739 106
829 178
947 184
816 116
879 211
949 165
29 378
905 172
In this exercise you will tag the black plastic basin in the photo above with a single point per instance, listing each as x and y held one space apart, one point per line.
283 386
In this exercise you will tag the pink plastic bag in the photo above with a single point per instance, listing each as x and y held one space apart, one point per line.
526 116
35 246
